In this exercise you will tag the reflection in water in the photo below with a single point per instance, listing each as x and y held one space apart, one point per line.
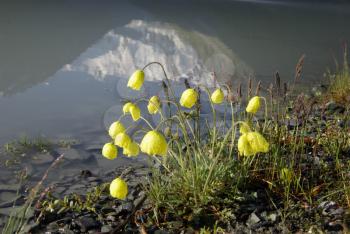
185 54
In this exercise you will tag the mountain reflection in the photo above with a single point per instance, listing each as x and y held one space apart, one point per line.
185 54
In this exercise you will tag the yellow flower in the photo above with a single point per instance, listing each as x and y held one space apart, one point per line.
132 149
116 128
135 112
109 151
253 105
251 143
286 175
244 148
118 188
126 107
154 143
244 128
136 80
122 140
257 142
188 98
218 96
153 105
133 109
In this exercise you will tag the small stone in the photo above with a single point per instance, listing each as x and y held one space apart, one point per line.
106 229
107 210
334 227
124 208
160 232
326 204
69 154
272 217
338 211
41 159
333 107
87 223
253 219
52 226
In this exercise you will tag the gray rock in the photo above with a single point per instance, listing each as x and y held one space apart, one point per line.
338 211
125 207
69 154
332 107
52 226
326 204
110 218
87 223
272 217
253 219
65 230
41 159
106 228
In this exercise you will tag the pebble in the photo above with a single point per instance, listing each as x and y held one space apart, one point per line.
41 159
87 223
253 219
106 228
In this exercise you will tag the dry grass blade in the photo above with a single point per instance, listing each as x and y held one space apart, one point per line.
299 68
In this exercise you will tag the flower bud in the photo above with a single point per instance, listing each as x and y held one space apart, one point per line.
188 98
126 107
217 97
257 142
153 105
116 128
244 147
253 105
135 112
109 151
131 150
118 188
154 143
122 140
136 80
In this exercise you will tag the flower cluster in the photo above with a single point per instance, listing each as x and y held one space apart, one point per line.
251 142
154 142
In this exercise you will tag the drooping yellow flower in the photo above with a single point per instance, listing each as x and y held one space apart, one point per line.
188 98
154 143
133 109
257 142
122 140
244 148
136 80
217 96
153 105
286 175
244 128
135 112
132 149
126 107
118 188
109 151
253 105
116 128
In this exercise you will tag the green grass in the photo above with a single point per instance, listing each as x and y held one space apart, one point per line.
206 174
339 81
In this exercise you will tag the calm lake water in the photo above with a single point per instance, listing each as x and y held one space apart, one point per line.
64 65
